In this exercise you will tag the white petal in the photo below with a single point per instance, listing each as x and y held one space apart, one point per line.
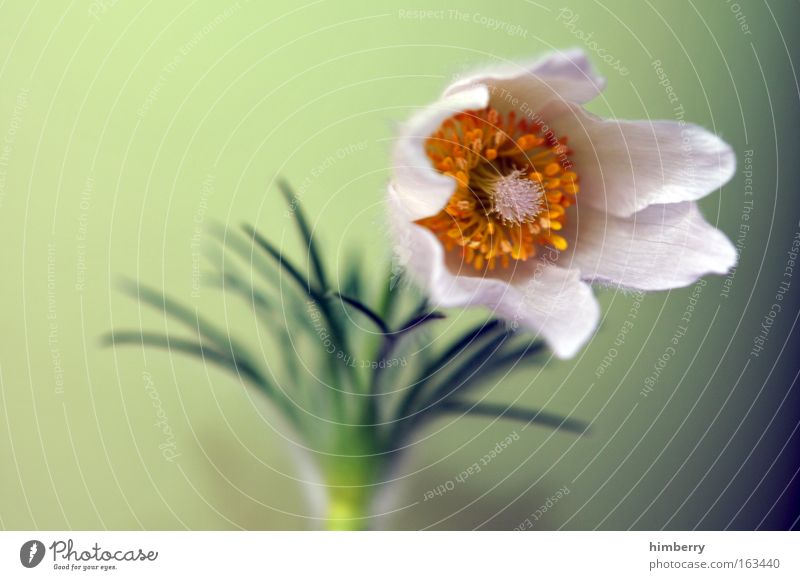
625 166
423 189
544 298
558 76
661 247
550 301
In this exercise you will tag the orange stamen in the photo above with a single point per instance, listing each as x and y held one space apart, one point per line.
513 184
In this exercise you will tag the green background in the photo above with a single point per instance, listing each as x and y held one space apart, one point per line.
125 125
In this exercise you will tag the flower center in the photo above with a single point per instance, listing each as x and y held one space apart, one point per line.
516 199
514 182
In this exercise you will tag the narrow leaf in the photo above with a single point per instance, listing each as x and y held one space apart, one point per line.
243 248
391 340
189 347
278 256
530 416
254 298
466 373
366 310
418 320
305 231
336 331
469 339
187 316
516 357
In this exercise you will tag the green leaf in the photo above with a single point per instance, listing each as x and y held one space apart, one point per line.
417 321
230 362
466 373
365 310
470 339
352 282
295 302
386 304
391 339
530 416
305 231
284 262
521 355
231 240
254 298
187 316
233 363
263 310
337 334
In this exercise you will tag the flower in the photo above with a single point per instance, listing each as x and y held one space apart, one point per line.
506 193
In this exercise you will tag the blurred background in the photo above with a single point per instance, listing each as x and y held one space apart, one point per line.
128 127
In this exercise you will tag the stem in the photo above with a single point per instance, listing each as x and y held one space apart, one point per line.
348 508
352 475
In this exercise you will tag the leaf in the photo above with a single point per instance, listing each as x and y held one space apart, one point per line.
464 376
391 339
297 302
190 318
351 280
232 282
418 320
337 335
305 231
469 339
530 416
489 360
232 363
365 310
466 373
284 262
263 310
511 359
229 240
385 302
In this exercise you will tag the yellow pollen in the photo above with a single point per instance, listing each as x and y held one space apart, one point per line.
514 183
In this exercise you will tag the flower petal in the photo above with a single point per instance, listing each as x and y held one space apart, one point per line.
538 295
661 247
423 189
561 76
550 301
625 166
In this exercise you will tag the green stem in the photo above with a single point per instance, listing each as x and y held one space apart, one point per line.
352 474
348 508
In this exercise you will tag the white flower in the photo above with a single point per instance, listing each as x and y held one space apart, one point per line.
508 194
